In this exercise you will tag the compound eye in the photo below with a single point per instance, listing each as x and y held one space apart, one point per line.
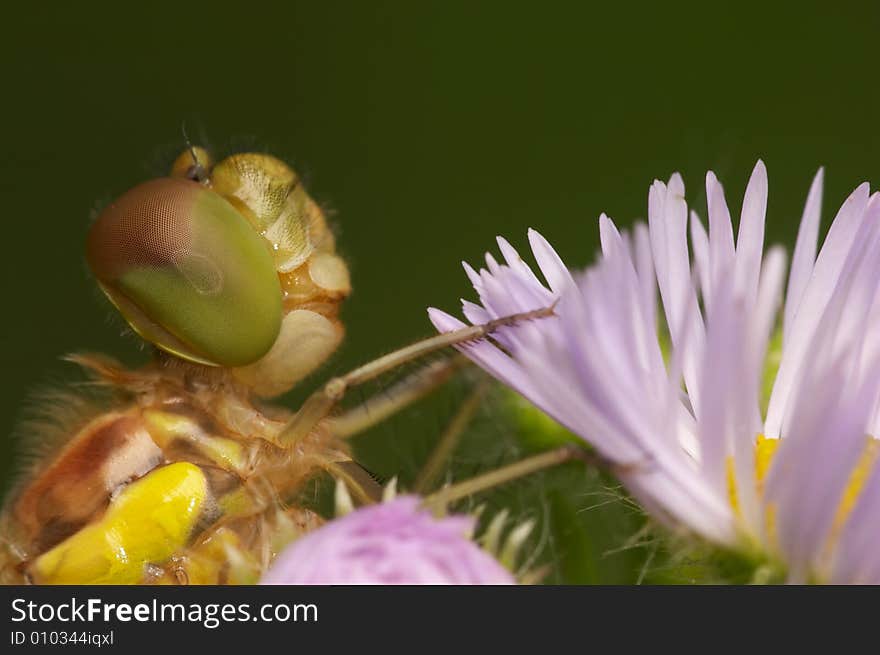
188 272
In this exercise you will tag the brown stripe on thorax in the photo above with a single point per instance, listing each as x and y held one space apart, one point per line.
108 452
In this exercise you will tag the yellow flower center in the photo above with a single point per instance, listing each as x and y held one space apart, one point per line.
765 449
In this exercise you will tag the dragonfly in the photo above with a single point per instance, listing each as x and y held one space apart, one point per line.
183 471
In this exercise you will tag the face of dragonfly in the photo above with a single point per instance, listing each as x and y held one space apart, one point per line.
228 265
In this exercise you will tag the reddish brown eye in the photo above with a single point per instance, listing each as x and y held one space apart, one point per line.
188 272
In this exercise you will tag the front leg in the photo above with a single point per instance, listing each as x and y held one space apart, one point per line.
319 405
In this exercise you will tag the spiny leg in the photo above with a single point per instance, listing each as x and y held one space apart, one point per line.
412 388
441 499
450 438
377 408
358 480
321 402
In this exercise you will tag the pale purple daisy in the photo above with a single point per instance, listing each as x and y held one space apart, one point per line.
393 543
795 482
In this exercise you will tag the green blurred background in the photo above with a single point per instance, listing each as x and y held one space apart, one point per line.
427 128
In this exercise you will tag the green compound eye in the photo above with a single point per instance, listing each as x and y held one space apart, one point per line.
188 272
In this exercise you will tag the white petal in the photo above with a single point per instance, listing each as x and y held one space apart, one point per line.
555 272
824 431
830 262
473 276
667 223
857 557
721 250
769 299
804 252
750 240
645 268
700 241
511 256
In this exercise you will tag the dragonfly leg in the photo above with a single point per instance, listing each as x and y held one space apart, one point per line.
377 408
432 469
441 499
319 405
360 483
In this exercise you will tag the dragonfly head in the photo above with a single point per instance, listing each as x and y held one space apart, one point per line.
228 265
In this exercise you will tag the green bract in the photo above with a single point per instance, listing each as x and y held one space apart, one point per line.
188 272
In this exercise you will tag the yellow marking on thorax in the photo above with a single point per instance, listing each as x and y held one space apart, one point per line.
165 427
147 522
219 559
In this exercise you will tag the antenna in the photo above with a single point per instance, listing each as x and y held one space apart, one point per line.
196 172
